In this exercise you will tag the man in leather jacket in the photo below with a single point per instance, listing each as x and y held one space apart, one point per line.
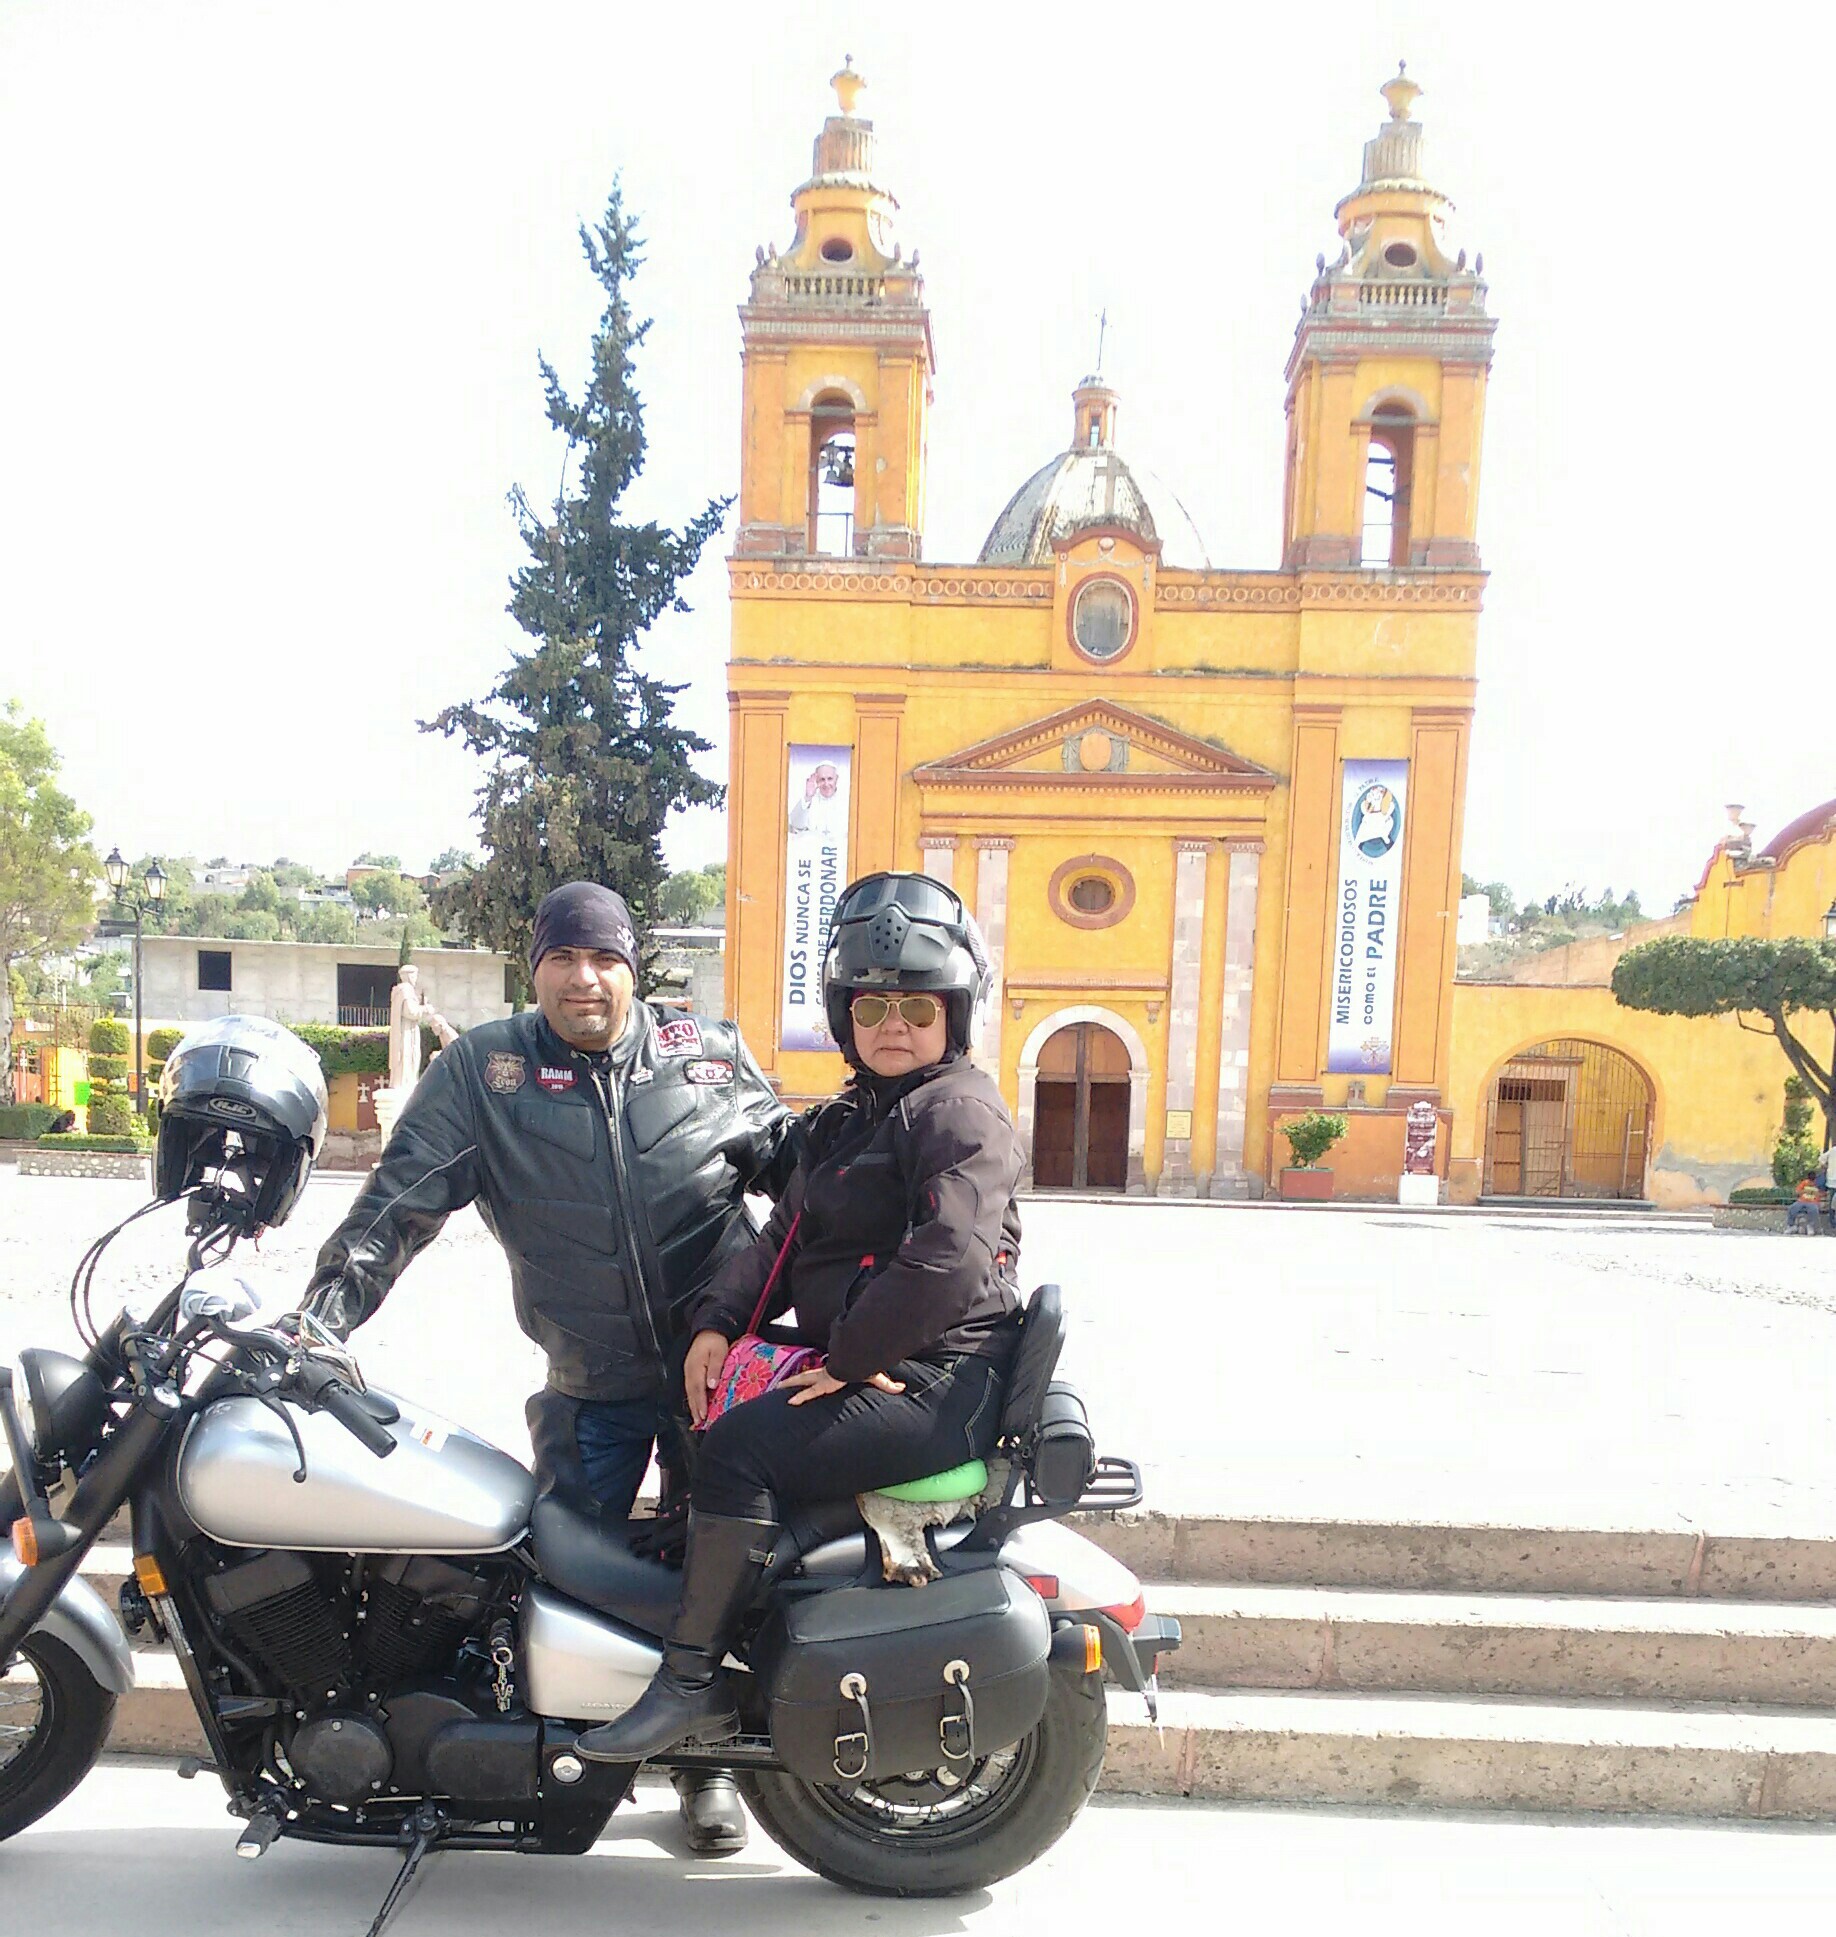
608 1149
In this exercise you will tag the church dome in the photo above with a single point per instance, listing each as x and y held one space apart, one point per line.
1089 487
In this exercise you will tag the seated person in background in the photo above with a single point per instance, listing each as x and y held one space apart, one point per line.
896 1242
1801 1213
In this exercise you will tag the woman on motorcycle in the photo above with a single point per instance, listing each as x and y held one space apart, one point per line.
896 1243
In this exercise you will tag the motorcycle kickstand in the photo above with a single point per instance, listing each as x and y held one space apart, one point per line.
425 1829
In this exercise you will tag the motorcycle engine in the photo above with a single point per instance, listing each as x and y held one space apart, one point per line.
331 1631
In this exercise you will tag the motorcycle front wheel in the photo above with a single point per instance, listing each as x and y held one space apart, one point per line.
936 1834
54 1719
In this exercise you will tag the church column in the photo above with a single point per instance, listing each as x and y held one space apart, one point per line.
1228 1179
991 855
1176 1175
876 783
937 857
755 867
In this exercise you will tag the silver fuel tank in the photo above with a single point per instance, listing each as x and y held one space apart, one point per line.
442 1491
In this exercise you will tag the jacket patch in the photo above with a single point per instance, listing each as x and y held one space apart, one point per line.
504 1073
680 1038
714 1070
555 1078
644 1074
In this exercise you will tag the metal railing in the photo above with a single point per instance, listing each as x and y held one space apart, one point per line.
827 288
354 1015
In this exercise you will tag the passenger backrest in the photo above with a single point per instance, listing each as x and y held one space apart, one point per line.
1042 1338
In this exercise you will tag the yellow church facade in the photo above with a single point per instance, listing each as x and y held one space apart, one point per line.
1209 821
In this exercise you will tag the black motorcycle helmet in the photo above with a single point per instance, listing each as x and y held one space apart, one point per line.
903 933
242 1116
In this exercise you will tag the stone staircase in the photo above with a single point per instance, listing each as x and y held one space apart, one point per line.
1471 1668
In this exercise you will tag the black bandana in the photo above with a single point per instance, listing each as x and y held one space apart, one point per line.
584 915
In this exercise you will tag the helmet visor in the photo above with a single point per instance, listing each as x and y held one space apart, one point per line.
922 898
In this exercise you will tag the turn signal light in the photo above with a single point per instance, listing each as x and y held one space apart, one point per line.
25 1542
1093 1650
147 1573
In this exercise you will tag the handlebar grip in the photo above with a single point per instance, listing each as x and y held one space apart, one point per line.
355 1417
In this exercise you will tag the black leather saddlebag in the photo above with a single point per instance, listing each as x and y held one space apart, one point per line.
1063 1458
869 1682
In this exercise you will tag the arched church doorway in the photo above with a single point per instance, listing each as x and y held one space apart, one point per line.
1568 1118
1080 1110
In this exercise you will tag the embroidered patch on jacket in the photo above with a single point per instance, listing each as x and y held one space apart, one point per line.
680 1038
714 1070
555 1078
643 1075
504 1073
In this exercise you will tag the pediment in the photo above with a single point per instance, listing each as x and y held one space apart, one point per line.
1097 743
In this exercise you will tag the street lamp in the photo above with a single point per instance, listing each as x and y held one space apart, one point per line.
1829 923
152 893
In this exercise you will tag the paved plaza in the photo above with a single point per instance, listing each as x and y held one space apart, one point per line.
1260 1361
135 1840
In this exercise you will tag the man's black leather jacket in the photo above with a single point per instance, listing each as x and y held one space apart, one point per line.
614 1183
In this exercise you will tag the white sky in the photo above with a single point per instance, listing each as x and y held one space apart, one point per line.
276 276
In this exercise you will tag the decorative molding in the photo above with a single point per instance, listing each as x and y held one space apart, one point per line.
1104 866
1001 841
849 578
1194 844
1244 844
1336 591
1052 985
949 841
994 760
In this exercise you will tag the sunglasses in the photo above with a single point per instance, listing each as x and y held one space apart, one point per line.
918 1010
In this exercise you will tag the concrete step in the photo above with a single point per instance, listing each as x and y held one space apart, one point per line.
1435 1751
1414 1558
1545 1647
1423 1751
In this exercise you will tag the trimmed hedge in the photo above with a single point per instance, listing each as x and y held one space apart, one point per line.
127 1146
109 1038
1751 1195
345 1052
161 1043
23 1121
108 1069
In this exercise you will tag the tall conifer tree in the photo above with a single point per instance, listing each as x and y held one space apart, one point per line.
586 762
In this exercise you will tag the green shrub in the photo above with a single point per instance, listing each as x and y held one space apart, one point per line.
126 1146
108 1069
1759 1194
345 1052
23 1120
1311 1136
111 1115
109 1038
161 1043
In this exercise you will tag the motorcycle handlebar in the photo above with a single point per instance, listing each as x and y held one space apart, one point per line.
355 1417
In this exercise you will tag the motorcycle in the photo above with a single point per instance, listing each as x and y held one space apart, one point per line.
389 1639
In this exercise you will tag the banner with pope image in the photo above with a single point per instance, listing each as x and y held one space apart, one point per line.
1365 936
815 872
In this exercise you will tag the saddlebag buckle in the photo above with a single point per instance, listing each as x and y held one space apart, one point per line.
956 1733
854 1753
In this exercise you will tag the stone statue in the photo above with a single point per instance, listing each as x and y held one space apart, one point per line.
408 1010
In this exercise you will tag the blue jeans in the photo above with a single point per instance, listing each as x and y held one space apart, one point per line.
615 1437
1801 1212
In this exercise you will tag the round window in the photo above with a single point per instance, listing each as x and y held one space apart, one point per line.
1103 619
838 249
1092 895
1399 255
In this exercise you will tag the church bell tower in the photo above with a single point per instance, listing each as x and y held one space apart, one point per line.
1386 383
837 360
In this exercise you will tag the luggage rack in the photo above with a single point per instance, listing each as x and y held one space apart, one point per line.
1114 1487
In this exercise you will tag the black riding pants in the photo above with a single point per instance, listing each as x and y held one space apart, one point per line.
768 1452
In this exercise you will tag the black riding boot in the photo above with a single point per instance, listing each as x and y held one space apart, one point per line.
712 1818
688 1699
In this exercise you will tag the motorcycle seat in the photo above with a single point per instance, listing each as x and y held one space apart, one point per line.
940 1489
591 1564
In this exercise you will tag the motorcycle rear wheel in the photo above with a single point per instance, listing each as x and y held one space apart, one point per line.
54 1719
915 1836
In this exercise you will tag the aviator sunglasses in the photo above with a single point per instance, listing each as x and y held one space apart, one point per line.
920 1011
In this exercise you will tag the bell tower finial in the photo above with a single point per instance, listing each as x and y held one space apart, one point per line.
847 85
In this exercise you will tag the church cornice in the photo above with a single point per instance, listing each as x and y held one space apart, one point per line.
856 580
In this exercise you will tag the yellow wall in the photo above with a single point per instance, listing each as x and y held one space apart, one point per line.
1718 1089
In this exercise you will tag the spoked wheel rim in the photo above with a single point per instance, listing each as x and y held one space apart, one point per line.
934 1806
27 1715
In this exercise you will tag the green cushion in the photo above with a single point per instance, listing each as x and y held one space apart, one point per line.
960 1483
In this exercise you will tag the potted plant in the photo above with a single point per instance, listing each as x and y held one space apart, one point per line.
1309 1138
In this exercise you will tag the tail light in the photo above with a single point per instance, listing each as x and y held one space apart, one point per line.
1128 1618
